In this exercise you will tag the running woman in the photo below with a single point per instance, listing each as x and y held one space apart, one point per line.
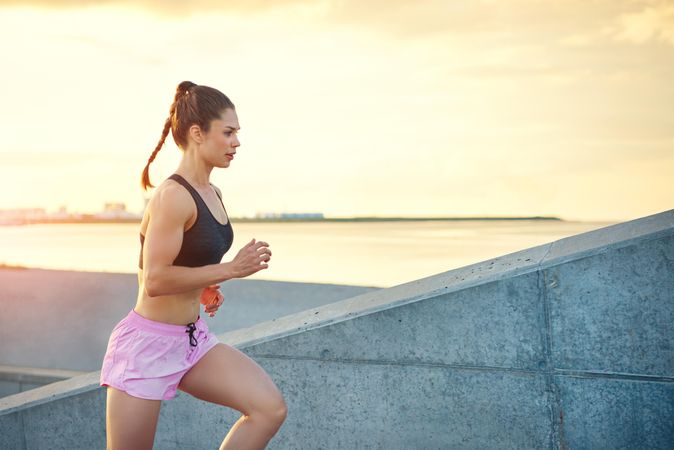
163 344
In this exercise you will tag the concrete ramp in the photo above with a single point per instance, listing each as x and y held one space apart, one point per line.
565 345
56 324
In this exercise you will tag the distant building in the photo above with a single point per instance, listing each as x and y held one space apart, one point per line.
61 214
114 207
21 215
282 216
112 210
301 215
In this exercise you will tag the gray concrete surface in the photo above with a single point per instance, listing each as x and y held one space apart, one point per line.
15 379
68 317
565 345
55 319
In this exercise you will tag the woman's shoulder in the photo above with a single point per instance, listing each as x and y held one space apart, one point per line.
172 187
172 199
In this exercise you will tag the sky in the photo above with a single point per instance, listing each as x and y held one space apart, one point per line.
350 108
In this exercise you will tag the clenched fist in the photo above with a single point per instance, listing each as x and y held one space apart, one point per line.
211 298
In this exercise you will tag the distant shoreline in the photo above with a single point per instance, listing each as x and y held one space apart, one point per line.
394 219
279 220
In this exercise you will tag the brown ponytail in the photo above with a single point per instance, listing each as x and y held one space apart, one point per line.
192 104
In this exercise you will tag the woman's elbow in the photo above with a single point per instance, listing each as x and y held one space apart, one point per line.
152 283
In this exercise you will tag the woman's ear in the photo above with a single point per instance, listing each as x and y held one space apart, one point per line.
196 134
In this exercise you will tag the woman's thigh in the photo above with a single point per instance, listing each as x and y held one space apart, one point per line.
131 422
227 376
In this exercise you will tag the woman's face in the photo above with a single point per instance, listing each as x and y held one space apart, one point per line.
221 141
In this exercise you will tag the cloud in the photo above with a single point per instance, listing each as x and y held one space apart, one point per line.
401 17
553 73
159 6
655 22
569 22
542 21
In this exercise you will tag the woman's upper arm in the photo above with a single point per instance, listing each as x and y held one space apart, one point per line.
169 211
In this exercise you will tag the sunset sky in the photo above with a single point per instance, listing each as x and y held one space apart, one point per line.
404 108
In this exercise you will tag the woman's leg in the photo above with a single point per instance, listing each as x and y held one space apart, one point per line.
227 376
130 421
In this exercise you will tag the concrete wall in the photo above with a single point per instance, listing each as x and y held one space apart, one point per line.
14 379
565 345
69 315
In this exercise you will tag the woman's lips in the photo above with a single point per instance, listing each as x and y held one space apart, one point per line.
230 156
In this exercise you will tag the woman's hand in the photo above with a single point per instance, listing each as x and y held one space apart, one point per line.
211 298
251 258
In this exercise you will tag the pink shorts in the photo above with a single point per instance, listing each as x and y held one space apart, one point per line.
147 359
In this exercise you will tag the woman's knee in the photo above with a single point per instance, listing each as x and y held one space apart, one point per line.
280 410
273 411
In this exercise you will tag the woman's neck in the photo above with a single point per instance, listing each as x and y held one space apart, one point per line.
195 170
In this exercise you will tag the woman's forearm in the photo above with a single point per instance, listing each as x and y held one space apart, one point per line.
168 280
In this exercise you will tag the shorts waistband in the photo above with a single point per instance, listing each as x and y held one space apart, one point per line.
168 329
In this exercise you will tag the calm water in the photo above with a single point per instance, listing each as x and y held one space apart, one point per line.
372 254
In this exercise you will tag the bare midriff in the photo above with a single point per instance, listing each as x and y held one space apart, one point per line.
177 309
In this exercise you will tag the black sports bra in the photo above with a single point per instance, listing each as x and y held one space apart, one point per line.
206 241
